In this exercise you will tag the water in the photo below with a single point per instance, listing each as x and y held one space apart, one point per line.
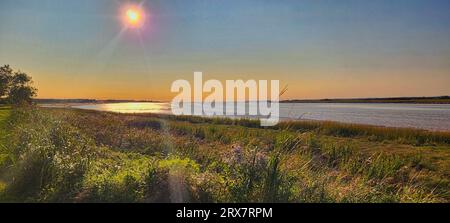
423 116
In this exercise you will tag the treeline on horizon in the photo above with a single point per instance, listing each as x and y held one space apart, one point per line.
423 100
416 100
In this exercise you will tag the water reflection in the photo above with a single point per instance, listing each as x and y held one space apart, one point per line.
131 107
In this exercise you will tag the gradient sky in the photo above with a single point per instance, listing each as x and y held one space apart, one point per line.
321 48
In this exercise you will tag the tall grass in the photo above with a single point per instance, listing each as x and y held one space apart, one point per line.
67 155
377 133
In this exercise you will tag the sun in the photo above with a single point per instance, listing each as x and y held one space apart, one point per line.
133 17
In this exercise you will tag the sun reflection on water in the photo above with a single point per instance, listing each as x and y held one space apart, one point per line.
131 107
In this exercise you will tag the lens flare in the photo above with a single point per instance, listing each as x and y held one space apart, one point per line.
133 17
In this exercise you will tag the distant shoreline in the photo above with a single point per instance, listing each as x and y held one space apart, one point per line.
395 100
87 101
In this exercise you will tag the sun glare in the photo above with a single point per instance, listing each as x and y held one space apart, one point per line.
133 17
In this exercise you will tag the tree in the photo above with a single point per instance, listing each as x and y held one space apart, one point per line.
6 74
16 86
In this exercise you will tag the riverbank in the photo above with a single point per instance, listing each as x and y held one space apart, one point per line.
74 155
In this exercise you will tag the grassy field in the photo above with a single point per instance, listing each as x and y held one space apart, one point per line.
4 114
5 111
68 155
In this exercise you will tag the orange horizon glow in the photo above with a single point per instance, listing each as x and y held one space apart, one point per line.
136 49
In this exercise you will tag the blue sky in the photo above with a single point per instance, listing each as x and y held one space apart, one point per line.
321 48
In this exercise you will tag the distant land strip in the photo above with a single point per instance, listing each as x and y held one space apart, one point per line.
85 101
411 100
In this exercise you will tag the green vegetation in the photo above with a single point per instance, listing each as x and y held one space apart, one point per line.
4 115
69 155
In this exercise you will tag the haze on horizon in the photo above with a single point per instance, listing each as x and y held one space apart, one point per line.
320 48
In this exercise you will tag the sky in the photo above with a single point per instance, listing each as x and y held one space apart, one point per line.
319 48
